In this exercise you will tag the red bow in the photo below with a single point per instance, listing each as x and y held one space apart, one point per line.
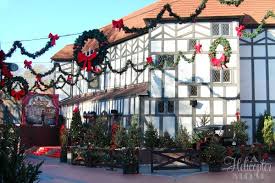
219 62
97 70
240 30
28 64
38 78
118 24
69 78
198 48
76 109
86 60
149 60
2 55
53 38
17 94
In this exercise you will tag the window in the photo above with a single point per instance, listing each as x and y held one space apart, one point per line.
216 76
219 76
220 29
193 91
161 107
226 76
215 29
170 107
166 60
191 45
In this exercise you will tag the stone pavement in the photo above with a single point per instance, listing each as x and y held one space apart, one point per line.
55 172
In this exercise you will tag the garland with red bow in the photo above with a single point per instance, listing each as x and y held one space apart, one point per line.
18 44
23 84
91 62
241 29
224 59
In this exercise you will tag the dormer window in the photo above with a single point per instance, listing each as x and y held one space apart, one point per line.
220 29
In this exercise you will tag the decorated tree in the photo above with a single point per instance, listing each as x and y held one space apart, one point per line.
240 133
76 131
134 133
151 136
268 130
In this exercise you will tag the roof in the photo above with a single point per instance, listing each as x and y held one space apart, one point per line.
252 12
132 90
65 54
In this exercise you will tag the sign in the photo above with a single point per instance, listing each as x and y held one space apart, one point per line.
40 109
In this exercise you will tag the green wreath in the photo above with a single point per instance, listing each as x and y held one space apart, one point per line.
226 47
101 52
22 81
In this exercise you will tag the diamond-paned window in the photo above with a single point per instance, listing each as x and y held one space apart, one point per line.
161 107
226 76
191 44
216 76
171 107
193 91
166 60
225 29
215 29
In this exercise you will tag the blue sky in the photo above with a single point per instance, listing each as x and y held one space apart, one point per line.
28 19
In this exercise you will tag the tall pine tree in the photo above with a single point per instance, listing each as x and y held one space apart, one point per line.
76 131
268 130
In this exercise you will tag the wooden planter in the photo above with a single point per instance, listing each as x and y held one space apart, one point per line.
131 168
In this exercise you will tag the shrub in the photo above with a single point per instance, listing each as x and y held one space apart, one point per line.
259 134
166 141
14 168
240 133
183 139
268 130
121 137
214 154
151 136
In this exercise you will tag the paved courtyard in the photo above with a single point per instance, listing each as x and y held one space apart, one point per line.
55 172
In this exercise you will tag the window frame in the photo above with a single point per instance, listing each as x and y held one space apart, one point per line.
165 66
221 29
221 71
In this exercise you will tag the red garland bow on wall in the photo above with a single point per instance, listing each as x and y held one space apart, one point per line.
27 64
87 60
38 78
53 38
198 47
149 60
219 62
240 30
69 78
76 109
18 94
118 24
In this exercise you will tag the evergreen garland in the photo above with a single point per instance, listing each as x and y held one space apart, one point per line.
231 2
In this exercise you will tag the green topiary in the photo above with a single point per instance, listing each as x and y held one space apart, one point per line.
151 136
268 130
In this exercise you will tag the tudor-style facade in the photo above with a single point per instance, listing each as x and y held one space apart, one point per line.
245 86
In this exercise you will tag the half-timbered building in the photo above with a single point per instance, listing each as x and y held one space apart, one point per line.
185 93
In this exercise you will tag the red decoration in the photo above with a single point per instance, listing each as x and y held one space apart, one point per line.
149 60
69 78
219 62
2 84
76 109
97 70
198 48
53 38
5 70
240 30
27 64
238 114
87 60
18 94
38 78
118 24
